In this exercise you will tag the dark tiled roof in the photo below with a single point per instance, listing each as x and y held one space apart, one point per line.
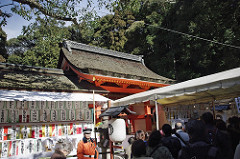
98 61
43 79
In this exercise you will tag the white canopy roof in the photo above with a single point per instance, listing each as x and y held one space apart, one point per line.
11 95
204 89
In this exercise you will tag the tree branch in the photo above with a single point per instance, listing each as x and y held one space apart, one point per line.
34 4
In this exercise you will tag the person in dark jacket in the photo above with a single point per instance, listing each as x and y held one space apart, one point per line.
139 150
217 137
156 149
198 147
172 143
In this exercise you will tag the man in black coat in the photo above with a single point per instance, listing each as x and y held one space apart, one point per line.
172 143
198 147
216 137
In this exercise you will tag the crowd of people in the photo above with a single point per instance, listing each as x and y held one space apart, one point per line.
203 138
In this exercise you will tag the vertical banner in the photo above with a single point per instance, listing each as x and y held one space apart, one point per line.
60 129
51 105
43 131
77 105
25 132
36 131
14 132
69 104
84 105
63 115
56 130
42 105
14 148
53 130
25 116
45 115
74 129
4 149
21 147
13 116
9 148
32 105
47 130
54 116
29 146
79 114
1 106
6 135
3 116
34 116
39 145
21 104
65 129
26 147
79 128
87 114
71 114
60 104
1 134
10 105
70 129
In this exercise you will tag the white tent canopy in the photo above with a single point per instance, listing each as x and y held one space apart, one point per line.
13 95
221 85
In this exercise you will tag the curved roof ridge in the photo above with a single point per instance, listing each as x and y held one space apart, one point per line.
80 46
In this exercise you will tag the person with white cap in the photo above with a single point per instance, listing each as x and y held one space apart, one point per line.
87 146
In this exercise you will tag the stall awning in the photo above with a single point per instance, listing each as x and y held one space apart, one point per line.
13 95
217 86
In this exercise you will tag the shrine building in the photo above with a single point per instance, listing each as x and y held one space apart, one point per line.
120 74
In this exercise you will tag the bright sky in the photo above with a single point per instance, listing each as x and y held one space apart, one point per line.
16 22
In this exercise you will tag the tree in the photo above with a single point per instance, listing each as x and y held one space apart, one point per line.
42 39
3 51
65 10
194 57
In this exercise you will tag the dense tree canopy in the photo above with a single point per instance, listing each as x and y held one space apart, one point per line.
182 40
3 51
193 57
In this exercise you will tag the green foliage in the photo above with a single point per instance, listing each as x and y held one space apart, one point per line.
159 30
110 32
43 38
3 51
65 10
167 52
208 19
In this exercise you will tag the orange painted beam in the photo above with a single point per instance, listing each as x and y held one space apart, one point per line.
122 90
128 81
123 83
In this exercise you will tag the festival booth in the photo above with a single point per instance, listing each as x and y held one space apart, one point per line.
31 121
186 100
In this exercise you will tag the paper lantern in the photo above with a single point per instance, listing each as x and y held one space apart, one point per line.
117 130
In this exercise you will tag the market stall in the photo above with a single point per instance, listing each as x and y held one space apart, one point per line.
31 121
209 88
